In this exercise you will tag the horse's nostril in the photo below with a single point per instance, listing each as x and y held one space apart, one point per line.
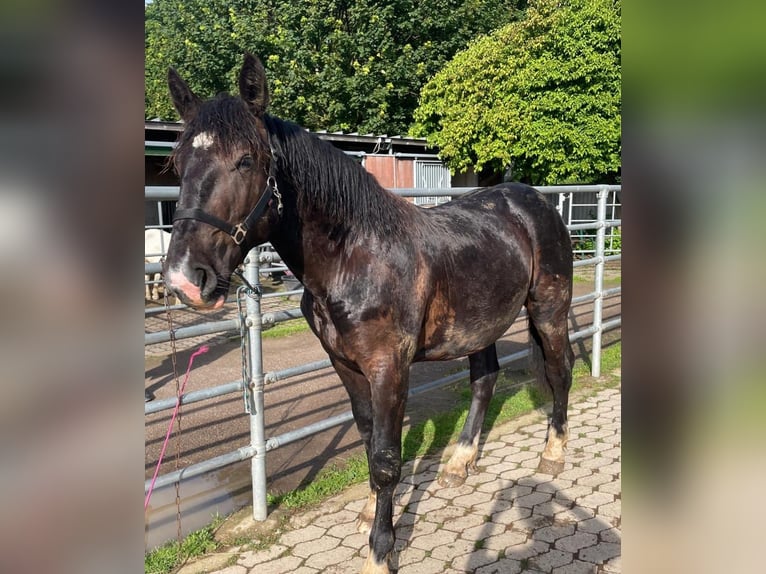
198 277
205 279
197 280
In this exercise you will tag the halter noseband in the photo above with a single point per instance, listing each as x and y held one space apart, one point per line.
239 231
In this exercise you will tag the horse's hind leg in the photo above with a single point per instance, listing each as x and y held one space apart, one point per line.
484 369
552 360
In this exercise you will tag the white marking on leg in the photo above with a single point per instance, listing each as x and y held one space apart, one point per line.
555 446
456 470
202 140
372 567
464 456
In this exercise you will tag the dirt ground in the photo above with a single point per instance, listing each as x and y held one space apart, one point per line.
217 426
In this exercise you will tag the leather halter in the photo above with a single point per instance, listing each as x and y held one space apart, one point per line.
239 231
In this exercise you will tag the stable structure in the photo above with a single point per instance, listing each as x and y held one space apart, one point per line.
397 162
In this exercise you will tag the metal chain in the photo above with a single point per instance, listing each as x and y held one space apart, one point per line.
173 353
244 335
255 292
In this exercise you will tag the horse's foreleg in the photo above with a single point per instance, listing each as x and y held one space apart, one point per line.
358 390
389 393
484 369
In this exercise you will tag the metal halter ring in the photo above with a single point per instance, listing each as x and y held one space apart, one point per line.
240 232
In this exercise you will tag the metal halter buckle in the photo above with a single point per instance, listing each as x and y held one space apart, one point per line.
239 233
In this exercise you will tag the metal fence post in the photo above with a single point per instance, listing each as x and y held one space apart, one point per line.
256 382
598 282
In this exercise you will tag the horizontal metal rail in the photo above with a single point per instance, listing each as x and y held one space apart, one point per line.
595 225
210 328
171 192
157 310
194 397
274 376
197 469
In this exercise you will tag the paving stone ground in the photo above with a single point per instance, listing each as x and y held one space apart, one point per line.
507 518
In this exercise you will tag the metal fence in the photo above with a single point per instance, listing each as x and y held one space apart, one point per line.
431 174
251 323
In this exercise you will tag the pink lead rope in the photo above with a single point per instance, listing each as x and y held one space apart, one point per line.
200 351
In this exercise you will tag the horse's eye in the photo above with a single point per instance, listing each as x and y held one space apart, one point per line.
245 162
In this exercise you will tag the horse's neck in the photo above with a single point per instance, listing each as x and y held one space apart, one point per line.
315 229
286 239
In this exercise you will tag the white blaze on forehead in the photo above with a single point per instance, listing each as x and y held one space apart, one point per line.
203 140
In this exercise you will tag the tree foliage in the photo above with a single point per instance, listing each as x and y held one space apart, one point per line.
542 94
332 64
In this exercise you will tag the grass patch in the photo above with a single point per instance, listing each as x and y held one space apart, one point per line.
609 279
611 359
286 328
167 557
329 481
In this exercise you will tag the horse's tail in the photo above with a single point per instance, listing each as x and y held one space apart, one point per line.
536 360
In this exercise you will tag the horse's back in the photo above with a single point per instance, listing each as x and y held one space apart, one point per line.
513 215
520 199
520 206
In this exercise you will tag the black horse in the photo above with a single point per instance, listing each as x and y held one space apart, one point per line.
386 283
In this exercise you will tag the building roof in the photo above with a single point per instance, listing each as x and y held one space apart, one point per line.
160 139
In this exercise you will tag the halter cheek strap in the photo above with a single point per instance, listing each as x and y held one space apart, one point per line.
239 231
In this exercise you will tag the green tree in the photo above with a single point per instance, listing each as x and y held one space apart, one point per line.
332 64
542 94
185 33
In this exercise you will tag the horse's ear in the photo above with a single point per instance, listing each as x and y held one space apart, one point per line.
252 85
184 99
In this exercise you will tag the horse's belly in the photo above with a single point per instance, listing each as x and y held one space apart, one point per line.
447 336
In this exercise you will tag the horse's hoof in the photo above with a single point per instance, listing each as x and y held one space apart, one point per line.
547 466
450 480
363 524
372 567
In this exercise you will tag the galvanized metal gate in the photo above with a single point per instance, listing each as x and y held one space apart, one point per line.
430 174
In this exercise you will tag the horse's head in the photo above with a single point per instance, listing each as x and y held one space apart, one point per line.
229 199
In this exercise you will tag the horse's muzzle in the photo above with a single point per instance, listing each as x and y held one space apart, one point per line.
196 285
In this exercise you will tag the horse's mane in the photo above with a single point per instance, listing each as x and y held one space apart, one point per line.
330 183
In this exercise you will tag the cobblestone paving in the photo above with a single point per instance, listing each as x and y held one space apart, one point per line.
505 519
